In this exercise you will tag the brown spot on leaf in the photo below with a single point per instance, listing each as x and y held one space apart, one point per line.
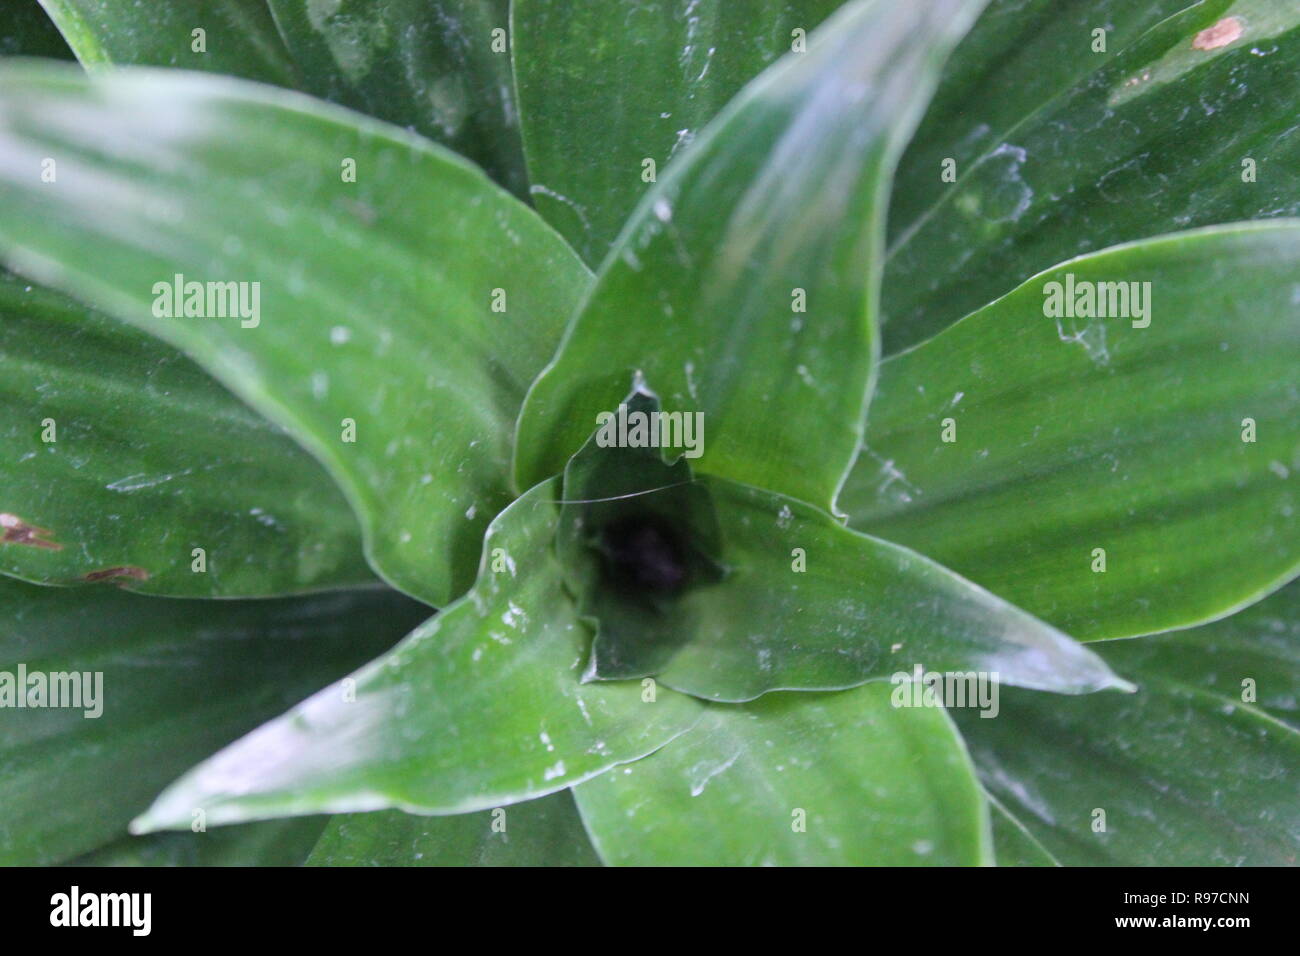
126 571
18 531
1226 31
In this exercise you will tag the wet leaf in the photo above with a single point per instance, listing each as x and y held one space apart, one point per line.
796 780
1195 769
744 279
1060 150
370 320
178 679
435 66
123 458
480 707
1111 479
605 86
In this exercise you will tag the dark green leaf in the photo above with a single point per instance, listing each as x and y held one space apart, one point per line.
605 86
1075 436
1060 150
239 36
542 832
28 31
122 457
1192 770
429 65
480 707
179 679
376 296
796 779
781 195
270 843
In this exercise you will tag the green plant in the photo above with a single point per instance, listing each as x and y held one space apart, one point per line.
1048 404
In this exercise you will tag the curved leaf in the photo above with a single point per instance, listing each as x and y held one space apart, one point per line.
808 604
775 210
542 832
375 340
605 86
433 66
776 595
1060 149
796 780
1165 455
481 706
122 458
239 36
179 679
1195 769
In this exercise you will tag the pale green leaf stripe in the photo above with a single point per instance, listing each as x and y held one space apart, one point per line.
542 832
178 679
797 780
480 707
605 86
1166 455
122 458
376 297
1195 769
784 191
239 37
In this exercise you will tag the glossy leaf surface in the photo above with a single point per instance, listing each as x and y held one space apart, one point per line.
370 318
219 36
122 458
438 67
796 779
480 707
1111 479
743 286
1186 118
605 86
1195 769
178 680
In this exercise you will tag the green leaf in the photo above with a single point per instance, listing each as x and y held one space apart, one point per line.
774 594
239 36
1075 436
123 457
28 31
796 780
542 832
179 679
1060 150
605 86
1189 771
480 707
375 318
428 65
864 609
783 192
270 843
1013 844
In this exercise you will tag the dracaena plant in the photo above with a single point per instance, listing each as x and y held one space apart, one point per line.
738 382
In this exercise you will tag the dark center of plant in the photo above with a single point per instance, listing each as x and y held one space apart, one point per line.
644 553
